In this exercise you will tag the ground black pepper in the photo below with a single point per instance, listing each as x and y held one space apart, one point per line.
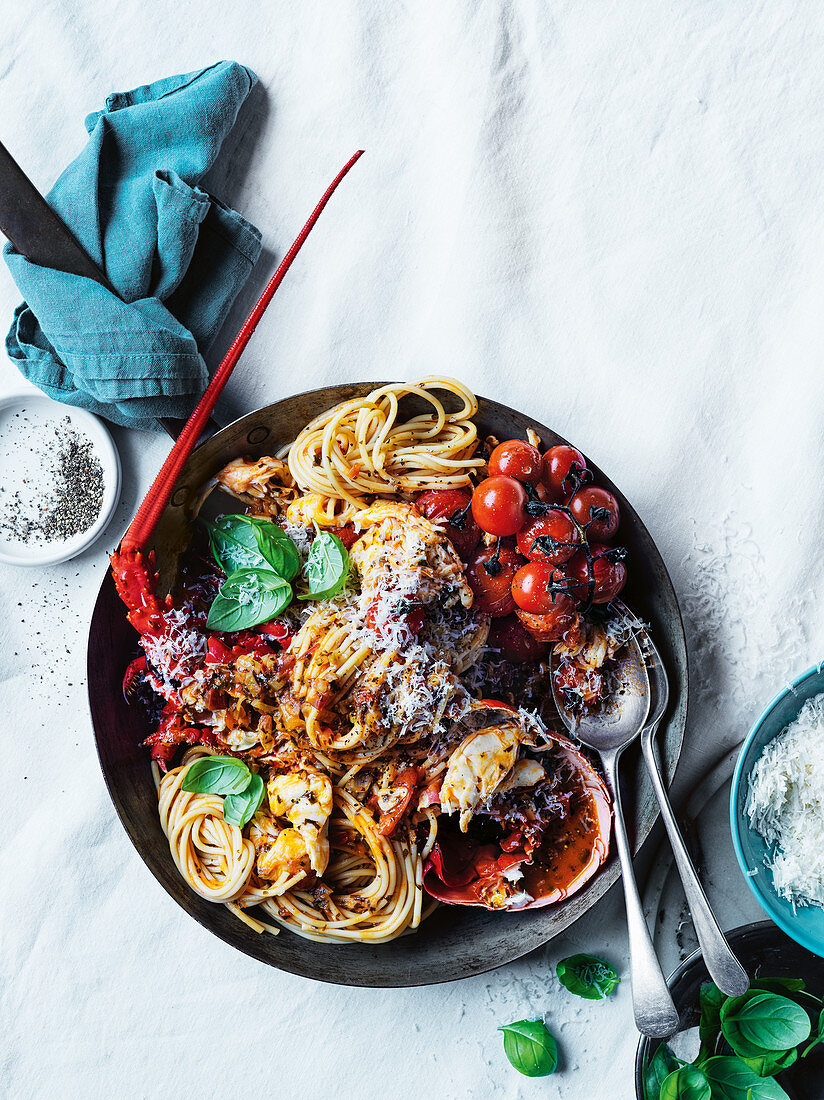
73 498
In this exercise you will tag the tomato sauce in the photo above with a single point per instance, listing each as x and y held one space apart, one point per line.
571 852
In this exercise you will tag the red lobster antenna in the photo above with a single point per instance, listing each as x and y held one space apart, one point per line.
148 514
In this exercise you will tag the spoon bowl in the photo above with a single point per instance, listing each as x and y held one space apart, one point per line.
620 718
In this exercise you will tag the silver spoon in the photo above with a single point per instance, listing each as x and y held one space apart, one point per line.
608 731
725 970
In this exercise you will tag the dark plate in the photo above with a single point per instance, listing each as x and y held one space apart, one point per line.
454 942
765 952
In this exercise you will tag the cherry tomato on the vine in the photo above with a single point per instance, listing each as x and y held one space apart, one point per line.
532 587
597 510
555 624
516 458
552 538
498 505
451 509
609 575
489 575
514 641
564 471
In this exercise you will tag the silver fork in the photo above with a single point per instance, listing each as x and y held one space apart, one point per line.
725 970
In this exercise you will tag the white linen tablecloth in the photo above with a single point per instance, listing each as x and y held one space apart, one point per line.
610 215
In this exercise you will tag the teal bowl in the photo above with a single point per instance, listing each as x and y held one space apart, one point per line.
805 924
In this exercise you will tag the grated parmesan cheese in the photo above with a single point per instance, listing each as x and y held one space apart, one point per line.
301 536
176 655
785 805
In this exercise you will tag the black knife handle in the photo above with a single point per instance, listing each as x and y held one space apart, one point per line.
40 235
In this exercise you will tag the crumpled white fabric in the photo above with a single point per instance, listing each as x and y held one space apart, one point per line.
610 215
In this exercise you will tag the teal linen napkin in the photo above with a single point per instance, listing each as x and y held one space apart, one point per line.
176 256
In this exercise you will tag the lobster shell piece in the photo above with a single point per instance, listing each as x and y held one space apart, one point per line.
460 871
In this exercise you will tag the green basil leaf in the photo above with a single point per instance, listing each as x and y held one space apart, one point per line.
731 1079
767 1065
686 1083
530 1048
587 976
659 1067
238 809
217 775
246 542
248 597
819 1038
277 548
765 1021
710 999
779 985
326 567
234 545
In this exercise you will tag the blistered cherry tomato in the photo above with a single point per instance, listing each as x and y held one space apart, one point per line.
609 575
276 629
403 789
498 505
347 535
555 624
516 458
531 587
489 575
514 641
451 509
564 469
597 510
414 620
578 685
552 538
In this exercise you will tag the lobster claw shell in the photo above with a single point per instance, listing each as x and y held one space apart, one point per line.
460 871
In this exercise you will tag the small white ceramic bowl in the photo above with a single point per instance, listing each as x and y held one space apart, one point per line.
39 409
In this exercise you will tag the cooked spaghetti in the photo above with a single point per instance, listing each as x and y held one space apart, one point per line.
389 781
361 448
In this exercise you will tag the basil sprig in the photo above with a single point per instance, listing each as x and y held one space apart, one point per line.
326 567
587 976
530 1047
248 597
246 542
242 788
745 1042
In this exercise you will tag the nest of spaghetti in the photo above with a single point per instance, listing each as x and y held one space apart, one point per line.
393 780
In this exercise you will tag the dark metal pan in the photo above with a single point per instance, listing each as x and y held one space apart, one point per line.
455 942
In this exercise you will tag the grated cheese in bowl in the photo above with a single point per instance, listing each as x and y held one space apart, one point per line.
785 805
